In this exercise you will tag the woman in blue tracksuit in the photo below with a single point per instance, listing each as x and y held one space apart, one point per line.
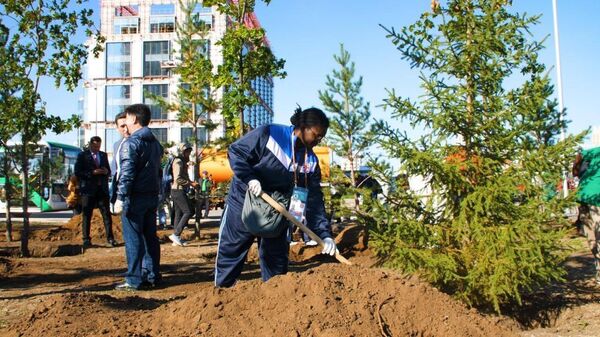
272 158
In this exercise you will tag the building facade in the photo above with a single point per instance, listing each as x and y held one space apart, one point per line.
137 60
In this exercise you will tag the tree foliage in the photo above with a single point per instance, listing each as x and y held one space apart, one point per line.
351 114
39 46
481 227
246 58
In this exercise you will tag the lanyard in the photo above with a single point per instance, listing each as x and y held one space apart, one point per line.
305 165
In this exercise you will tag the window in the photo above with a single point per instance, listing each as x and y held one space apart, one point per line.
160 134
154 53
112 135
162 18
158 90
118 59
131 10
126 20
186 135
203 14
117 98
127 25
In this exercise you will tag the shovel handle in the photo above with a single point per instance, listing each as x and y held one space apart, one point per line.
300 225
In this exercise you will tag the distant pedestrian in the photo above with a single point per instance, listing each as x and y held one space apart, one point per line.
137 198
179 193
205 190
92 170
588 193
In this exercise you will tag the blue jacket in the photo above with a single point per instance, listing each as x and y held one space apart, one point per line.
265 154
84 166
140 165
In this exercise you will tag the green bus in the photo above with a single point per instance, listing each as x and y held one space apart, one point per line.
49 171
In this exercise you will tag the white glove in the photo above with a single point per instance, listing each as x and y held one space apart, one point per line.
329 247
254 187
117 207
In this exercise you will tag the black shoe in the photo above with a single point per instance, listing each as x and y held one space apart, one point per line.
112 243
86 244
125 287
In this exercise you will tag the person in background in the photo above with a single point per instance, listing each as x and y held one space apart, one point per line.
179 188
92 170
273 158
588 193
114 163
205 189
137 199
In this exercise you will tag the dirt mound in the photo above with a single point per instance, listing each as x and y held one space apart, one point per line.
330 300
71 230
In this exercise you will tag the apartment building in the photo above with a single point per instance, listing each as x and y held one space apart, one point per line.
138 59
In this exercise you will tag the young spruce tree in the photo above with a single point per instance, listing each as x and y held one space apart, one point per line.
482 228
350 113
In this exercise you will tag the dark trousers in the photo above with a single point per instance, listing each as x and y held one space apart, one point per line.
182 210
234 243
204 205
142 248
88 203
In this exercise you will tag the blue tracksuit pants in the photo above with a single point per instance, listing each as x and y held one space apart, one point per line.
234 243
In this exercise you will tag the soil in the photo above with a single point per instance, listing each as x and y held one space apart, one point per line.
73 295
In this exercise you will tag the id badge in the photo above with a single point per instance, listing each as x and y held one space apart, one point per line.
298 202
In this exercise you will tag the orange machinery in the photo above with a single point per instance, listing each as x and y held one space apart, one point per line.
216 164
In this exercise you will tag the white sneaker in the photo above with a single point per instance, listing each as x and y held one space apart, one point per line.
293 243
176 240
311 243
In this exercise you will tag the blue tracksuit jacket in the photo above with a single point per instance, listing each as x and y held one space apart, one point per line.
265 154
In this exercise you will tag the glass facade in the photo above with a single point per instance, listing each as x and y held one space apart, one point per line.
154 53
160 134
162 18
158 90
111 137
117 98
118 59
186 135
126 25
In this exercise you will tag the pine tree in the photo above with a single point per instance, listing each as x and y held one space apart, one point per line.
350 112
482 228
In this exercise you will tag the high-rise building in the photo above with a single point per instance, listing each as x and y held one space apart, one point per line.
138 58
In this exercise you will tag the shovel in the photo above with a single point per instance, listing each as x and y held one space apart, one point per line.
300 225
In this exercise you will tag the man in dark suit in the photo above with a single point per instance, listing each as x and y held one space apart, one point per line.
93 170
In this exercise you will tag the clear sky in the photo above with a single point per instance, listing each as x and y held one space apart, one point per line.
307 33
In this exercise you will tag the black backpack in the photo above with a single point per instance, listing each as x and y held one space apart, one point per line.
167 179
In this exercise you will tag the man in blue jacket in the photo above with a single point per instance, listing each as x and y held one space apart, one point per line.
137 198
272 158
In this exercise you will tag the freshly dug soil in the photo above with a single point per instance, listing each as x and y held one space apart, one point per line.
329 300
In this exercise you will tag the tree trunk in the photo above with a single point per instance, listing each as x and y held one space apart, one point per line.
8 193
25 198
195 173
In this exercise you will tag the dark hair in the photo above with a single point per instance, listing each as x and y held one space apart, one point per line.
141 112
95 139
120 115
309 117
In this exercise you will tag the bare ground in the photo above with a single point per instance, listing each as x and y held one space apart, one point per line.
74 296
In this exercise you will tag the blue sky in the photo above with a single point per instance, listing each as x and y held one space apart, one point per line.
307 33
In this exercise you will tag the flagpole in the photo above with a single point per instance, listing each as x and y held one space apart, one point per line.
559 84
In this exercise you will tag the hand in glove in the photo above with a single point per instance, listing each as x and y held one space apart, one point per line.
254 187
329 247
117 207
